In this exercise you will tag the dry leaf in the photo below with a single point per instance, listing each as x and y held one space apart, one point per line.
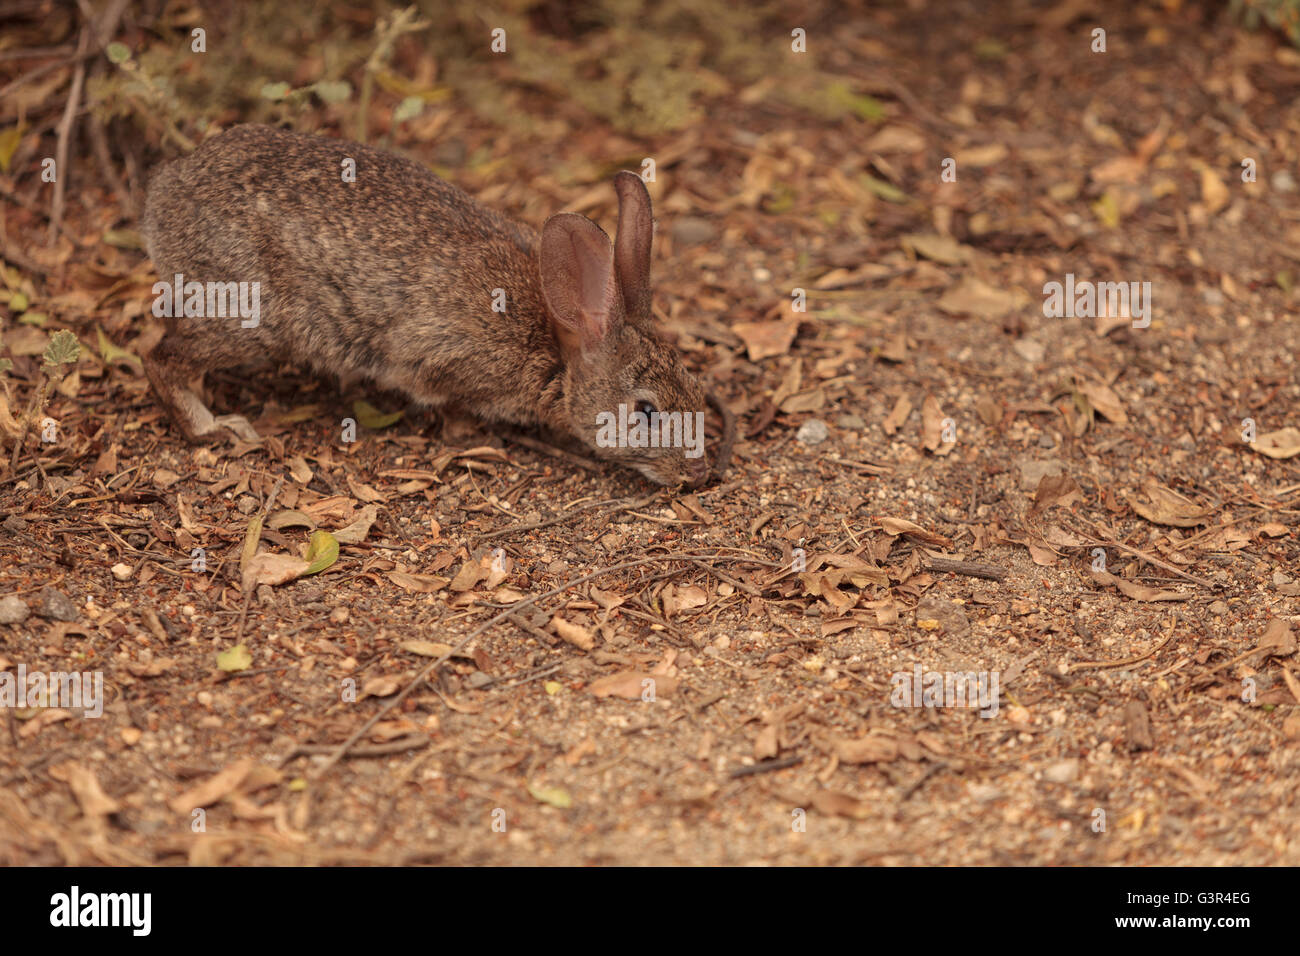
871 749
273 569
1138 592
94 802
973 297
1279 444
419 583
575 634
1165 506
1277 639
1055 491
213 789
766 339
628 684
356 532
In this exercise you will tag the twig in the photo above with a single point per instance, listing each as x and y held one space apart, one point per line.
64 134
974 569
1152 559
1082 665
779 763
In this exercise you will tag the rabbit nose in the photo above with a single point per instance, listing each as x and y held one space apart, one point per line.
698 470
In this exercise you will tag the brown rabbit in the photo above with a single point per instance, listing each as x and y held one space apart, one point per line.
401 278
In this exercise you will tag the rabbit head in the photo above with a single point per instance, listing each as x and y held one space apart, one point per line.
627 395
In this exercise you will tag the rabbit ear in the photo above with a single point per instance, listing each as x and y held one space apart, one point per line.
632 247
577 268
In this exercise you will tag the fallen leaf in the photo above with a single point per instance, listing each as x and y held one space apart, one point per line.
357 531
575 634
236 658
1165 506
1138 592
94 802
420 583
556 797
628 685
766 339
213 789
973 297
1279 444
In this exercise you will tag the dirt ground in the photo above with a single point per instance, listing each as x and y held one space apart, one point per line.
1125 562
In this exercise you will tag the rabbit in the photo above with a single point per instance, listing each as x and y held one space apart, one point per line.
392 278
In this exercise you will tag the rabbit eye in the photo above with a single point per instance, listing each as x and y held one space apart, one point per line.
645 408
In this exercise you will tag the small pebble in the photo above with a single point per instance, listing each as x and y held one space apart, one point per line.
246 505
479 679
122 572
1062 772
1283 181
13 610
54 605
812 432
15 523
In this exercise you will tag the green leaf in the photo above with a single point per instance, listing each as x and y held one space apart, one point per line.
322 552
275 91
9 140
886 191
18 302
553 796
372 417
408 109
123 239
118 52
64 349
859 104
236 659
5 364
37 319
333 91
111 353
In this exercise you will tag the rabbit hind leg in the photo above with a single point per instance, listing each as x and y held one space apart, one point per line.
174 376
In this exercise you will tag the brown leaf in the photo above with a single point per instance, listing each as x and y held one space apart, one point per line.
273 569
1277 640
901 526
894 420
766 339
766 745
1137 726
1054 491
627 684
932 421
973 297
575 634
1138 592
1284 443
214 788
94 802
838 804
420 583
871 749
1165 506
1104 400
